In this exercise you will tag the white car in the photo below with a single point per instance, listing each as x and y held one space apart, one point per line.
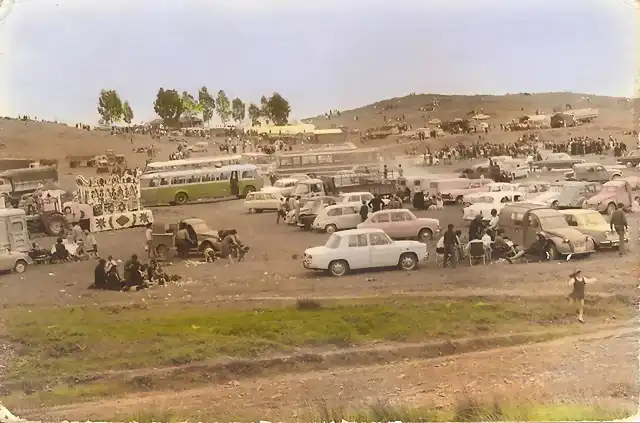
516 168
492 187
338 217
363 249
358 197
199 147
284 186
548 197
489 201
259 201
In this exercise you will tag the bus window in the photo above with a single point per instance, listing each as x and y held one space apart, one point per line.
309 160
223 176
249 174
164 181
286 161
324 158
297 160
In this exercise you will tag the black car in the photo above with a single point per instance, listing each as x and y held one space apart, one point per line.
632 159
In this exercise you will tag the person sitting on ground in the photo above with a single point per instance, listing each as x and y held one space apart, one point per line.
60 253
91 244
228 241
132 275
81 252
37 251
111 269
209 255
99 276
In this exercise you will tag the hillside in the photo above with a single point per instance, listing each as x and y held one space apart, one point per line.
418 109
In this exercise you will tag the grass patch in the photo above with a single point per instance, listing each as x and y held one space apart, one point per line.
465 409
72 344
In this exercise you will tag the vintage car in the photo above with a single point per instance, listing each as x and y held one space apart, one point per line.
489 201
363 249
259 201
284 186
574 194
358 197
494 187
199 147
532 188
163 237
592 172
309 211
593 224
522 222
556 161
15 261
337 217
549 196
611 194
402 224
632 159
454 190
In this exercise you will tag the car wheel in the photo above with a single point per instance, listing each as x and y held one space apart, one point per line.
330 229
628 164
545 169
338 268
459 200
551 251
408 261
20 266
181 198
614 177
611 208
425 235
554 205
248 189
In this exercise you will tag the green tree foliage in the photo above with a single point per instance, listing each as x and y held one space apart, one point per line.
276 109
238 110
168 106
207 104
127 113
223 106
254 114
190 107
264 109
110 106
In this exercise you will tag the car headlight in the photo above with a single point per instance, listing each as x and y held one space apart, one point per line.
566 240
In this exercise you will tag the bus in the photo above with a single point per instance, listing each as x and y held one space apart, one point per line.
195 163
326 163
196 185
265 162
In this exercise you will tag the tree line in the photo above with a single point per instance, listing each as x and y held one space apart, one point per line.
170 106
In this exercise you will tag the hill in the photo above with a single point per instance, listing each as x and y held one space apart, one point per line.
418 109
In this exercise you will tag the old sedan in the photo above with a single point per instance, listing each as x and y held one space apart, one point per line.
490 200
594 225
363 249
556 161
402 224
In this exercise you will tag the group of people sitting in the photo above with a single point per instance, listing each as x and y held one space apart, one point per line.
137 275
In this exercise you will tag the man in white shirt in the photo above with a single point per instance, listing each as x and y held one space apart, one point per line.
493 222
148 234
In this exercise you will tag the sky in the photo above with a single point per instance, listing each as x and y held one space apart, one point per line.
56 55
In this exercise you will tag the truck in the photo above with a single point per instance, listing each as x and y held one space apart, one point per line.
17 182
14 241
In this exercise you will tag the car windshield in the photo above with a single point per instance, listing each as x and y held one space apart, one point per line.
610 188
550 222
591 219
333 242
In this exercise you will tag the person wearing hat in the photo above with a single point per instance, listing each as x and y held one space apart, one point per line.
578 283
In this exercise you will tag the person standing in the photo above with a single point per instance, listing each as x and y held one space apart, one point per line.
619 224
364 211
148 234
450 245
578 283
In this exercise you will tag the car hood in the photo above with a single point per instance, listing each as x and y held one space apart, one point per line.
571 234
317 250
272 189
545 197
602 227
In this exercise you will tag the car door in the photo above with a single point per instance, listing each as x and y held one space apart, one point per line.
381 256
358 252
353 199
18 234
350 217
382 221
397 228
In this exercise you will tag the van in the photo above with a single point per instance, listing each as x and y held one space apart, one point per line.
338 217
14 240
522 222
259 201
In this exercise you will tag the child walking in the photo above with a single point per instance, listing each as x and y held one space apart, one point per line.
578 283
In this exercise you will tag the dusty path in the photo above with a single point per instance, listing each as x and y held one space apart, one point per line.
601 366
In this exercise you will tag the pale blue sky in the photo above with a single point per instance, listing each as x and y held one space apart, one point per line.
319 54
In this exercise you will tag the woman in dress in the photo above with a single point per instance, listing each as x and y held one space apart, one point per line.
578 283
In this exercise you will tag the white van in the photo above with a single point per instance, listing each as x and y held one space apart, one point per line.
338 217
258 201
284 186
516 168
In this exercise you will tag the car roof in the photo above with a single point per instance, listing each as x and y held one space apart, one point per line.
340 205
388 211
578 211
362 231
355 193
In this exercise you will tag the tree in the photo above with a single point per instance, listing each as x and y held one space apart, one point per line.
223 107
254 114
109 106
207 104
278 109
238 110
189 107
127 113
168 106
264 109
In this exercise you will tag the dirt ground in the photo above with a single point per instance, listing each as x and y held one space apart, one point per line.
599 364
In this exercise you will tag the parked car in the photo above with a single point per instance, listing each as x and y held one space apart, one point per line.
549 196
454 190
363 249
532 188
338 217
489 201
199 147
632 159
358 197
594 225
402 224
163 236
523 221
284 186
556 161
494 187
310 211
259 201
15 261
612 193
592 172
574 194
